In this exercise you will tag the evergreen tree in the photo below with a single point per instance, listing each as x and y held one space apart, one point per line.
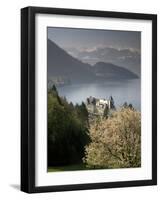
125 105
131 106
112 104
54 88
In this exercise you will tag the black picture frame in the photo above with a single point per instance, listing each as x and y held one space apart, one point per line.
28 98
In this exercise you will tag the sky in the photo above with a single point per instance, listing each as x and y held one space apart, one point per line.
122 48
90 38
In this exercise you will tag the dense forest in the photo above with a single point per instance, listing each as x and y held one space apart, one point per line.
67 130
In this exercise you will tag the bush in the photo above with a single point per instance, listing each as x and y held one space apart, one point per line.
116 141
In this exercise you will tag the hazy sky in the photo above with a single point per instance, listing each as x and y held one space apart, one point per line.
92 38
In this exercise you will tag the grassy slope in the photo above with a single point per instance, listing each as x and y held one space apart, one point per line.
71 168
68 168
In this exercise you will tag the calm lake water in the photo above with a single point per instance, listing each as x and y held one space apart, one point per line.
125 91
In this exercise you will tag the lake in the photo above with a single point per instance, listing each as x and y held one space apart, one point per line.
122 91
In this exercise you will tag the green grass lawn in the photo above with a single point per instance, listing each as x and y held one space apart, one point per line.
68 168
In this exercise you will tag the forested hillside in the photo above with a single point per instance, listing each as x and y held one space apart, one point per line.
67 130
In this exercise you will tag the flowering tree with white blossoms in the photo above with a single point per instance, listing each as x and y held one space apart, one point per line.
115 141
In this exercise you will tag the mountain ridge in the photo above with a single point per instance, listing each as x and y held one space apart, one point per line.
110 70
61 64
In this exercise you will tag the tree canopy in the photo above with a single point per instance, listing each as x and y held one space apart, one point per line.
116 141
67 130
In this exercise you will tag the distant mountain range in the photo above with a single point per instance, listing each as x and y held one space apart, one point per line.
127 58
61 64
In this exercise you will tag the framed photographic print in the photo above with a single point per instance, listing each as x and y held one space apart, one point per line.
88 99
